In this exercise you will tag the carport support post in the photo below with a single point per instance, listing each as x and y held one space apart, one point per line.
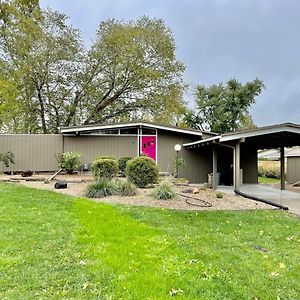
215 168
237 167
282 169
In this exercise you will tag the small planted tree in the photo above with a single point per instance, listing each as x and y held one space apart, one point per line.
7 158
177 164
142 171
69 161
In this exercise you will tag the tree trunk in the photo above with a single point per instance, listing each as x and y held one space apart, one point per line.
42 110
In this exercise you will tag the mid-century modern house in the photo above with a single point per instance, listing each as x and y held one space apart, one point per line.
233 155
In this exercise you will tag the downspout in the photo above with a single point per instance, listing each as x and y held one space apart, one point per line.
260 200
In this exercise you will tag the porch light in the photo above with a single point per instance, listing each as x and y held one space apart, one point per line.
177 147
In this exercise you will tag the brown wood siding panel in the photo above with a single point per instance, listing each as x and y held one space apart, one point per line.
293 169
34 152
249 164
197 162
91 147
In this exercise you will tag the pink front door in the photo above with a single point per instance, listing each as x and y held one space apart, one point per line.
148 146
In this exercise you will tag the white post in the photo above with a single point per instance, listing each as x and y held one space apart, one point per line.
282 169
215 168
237 166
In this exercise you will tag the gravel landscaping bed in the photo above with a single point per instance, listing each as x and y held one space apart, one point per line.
144 198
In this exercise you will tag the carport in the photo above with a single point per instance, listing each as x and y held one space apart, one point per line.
245 143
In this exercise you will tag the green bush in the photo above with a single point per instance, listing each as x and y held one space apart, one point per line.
268 172
142 171
105 157
7 158
105 168
102 188
126 188
219 195
164 191
69 161
122 165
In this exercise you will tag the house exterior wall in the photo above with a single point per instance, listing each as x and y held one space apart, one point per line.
90 147
34 152
249 164
197 162
293 169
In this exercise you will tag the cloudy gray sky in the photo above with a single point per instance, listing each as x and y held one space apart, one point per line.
218 40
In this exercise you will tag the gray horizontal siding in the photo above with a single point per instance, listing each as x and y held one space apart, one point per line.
91 147
34 152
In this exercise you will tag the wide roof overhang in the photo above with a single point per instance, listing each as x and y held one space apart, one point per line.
84 129
275 136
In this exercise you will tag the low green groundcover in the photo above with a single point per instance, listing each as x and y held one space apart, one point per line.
61 247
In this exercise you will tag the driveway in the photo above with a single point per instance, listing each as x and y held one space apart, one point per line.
285 198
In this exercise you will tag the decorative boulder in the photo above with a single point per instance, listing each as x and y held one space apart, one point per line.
61 185
26 173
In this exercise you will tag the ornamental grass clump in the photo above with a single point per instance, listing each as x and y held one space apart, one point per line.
164 191
142 171
105 168
101 188
126 188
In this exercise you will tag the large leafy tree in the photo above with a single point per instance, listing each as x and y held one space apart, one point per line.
224 107
134 72
129 72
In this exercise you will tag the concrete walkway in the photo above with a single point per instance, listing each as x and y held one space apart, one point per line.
286 198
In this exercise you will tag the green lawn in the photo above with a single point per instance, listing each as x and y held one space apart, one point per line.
60 247
267 180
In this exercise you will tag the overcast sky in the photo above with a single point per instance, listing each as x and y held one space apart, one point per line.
219 40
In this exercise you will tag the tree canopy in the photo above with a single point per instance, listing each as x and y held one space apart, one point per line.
224 107
49 79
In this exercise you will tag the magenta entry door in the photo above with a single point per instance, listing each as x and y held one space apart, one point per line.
148 146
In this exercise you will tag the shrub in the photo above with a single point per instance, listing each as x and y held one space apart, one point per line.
122 165
105 157
69 161
101 188
142 171
126 188
105 168
7 158
219 195
164 191
269 172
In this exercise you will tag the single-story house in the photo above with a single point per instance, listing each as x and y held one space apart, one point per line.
233 155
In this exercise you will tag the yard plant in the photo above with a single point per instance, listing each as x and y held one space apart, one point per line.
142 171
55 246
101 188
122 165
69 161
164 191
105 168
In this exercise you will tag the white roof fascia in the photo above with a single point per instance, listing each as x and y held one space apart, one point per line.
235 136
202 141
100 127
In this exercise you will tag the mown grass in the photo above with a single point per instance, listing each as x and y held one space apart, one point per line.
266 180
59 247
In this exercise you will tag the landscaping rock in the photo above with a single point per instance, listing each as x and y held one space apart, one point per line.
27 173
61 185
191 191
